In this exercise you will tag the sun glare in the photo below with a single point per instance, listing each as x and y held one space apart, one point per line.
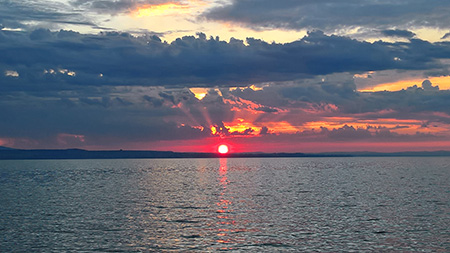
223 149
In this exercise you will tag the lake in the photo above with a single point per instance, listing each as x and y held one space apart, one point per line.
254 204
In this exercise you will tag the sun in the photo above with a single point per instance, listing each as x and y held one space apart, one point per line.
223 149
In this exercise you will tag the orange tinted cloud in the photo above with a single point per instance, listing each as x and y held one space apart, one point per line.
281 127
400 126
241 126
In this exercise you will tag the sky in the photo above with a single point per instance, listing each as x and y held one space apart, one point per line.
259 76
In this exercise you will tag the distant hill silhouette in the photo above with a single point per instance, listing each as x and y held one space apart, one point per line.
19 154
5 148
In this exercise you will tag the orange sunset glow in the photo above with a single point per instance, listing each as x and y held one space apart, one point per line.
161 9
442 81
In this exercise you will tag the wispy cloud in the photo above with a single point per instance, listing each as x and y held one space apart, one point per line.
398 33
29 14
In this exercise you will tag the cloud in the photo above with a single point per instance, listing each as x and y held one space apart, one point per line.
266 109
350 133
136 89
118 6
123 116
112 58
156 102
342 134
447 35
301 102
428 86
84 120
398 33
27 14
11 73
330 15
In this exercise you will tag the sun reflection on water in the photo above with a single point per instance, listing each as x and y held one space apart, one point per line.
224 211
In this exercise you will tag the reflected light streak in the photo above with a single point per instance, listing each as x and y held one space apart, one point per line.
223 171
224 204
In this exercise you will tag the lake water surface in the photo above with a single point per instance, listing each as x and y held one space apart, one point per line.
257 204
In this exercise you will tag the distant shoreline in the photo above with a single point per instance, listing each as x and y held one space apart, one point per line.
42 154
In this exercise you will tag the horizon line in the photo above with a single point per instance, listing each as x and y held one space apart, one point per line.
75 153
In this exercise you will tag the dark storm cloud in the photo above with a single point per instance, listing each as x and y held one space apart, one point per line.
331 14
398 33
18 14
55 59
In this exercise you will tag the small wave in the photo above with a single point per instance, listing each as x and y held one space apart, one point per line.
191 236
271 244
382 232
183 221
189 207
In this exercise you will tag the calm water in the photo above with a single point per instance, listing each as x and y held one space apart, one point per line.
270 204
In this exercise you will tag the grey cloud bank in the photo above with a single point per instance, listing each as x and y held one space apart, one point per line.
70 89
55 59
330 15
26 14
118 6
121 116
